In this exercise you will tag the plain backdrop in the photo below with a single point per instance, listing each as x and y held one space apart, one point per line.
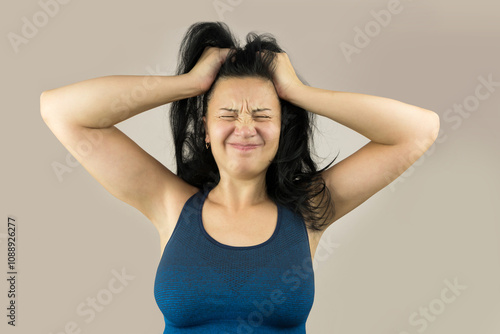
381 269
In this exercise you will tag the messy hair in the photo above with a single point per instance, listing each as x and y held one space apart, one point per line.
292 178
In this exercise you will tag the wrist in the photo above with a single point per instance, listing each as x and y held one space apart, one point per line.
294 92
191 86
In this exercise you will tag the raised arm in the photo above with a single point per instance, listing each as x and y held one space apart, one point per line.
400 133
83 117
105 101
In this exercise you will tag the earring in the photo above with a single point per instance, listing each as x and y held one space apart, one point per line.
206 145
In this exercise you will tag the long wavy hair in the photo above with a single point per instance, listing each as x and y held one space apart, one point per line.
292 178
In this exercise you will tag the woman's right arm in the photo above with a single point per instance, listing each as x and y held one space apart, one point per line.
82 117
106 101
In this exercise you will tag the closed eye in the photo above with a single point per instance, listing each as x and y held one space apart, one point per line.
236 117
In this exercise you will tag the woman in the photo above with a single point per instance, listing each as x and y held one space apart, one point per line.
240 222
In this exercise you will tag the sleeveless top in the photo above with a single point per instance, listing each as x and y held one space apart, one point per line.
204 286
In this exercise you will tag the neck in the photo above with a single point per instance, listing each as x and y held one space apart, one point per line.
238 195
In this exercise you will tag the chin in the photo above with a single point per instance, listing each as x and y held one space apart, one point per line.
244 168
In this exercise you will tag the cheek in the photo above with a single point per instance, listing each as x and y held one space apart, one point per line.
275 129
271 134
222 131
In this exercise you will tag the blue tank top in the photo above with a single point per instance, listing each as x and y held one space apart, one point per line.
203 286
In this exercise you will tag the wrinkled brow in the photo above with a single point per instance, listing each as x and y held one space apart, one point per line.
236 110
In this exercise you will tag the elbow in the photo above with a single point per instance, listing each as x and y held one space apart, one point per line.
429 133
44 105
43 110
434 125
425 133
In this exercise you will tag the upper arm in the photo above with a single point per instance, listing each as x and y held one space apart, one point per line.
374 166
122 167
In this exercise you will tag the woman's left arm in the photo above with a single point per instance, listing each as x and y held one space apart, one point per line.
380 119
400 133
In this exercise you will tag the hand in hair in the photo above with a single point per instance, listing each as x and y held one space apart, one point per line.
207 67
284 77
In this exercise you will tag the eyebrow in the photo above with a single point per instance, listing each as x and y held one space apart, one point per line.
255 110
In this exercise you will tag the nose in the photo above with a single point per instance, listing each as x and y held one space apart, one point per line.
245 126
245 129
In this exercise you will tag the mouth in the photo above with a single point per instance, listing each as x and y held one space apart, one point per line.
244 147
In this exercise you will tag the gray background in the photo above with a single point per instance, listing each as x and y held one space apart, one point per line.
376 266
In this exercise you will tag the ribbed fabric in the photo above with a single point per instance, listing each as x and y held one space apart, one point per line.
203 286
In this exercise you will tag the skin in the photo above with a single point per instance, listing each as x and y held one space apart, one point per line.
399 134
242 184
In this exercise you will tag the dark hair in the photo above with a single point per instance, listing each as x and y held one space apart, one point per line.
292 179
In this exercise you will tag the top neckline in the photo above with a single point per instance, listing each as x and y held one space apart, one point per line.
205 233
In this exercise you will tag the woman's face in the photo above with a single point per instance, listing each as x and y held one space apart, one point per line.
243 111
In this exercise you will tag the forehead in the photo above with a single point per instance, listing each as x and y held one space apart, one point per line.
247 90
